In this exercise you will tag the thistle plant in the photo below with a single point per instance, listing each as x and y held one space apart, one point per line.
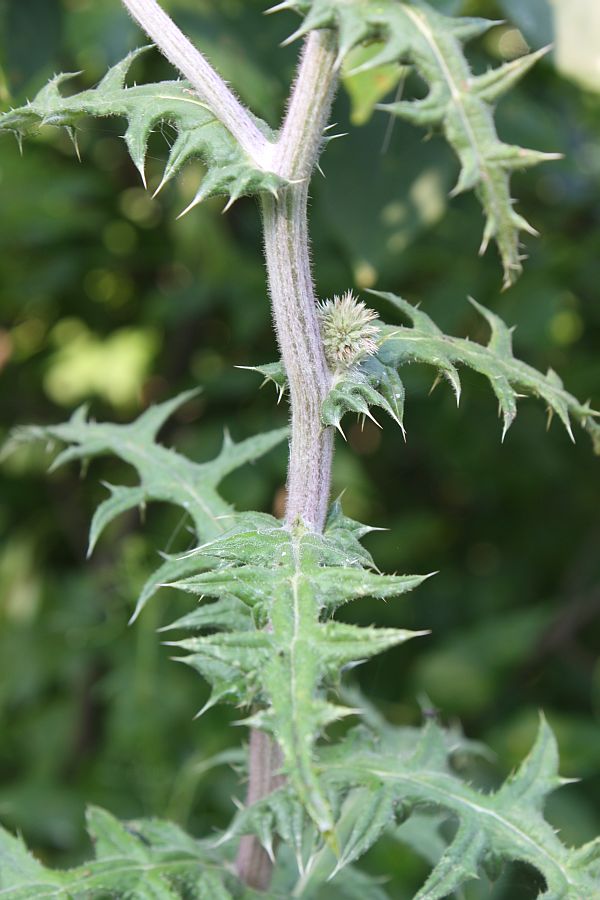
263 631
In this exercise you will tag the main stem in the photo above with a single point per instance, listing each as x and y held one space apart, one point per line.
295 314
294 157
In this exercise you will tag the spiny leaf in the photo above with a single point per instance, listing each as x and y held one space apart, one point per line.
164 474
150 860
229 613
294 579
172 568
361 812
121 500
508 376
537 776
273 373
507 825
111 838
364 816
362 387
18 868
230 662
458 102
355 390
459 863
199 134
377 380
350 884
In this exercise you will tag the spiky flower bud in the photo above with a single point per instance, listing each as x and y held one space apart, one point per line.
347 330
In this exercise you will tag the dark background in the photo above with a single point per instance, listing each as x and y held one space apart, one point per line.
106 298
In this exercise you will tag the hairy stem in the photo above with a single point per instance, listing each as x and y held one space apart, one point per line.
207 83
294 312
292 296
311 445
291 286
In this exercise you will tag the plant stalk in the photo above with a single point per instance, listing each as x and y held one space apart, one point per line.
294 307
287 253
285 218
294 310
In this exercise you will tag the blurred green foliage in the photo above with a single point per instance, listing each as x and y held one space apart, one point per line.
106 297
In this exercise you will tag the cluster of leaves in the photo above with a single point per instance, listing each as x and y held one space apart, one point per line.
295 580
382 775
147 859
387 775
151 859
261 572
459 103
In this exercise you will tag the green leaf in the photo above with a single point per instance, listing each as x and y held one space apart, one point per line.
164 475
363 811
458 102
146 106
508 376
349 884
376 381
507 825
172 568
147 860
364 815
364 386
110 837
18 867
121 500
229 613
295 580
